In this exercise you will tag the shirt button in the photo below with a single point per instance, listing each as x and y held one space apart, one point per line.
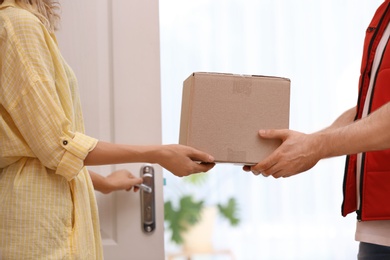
64 142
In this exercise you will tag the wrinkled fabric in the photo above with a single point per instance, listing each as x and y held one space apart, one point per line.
48 208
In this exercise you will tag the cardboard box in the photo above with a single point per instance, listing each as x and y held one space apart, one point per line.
221 114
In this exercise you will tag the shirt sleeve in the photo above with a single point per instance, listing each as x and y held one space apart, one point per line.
34 92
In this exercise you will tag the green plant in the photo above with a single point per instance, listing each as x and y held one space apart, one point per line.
188 211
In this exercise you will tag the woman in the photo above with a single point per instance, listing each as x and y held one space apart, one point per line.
48 207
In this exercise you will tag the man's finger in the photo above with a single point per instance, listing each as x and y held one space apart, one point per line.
273 133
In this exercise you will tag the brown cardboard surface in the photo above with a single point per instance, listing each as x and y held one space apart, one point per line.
222 114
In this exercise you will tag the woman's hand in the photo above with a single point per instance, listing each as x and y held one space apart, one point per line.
184 160
117 180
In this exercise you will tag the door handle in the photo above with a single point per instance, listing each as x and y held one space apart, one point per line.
147 199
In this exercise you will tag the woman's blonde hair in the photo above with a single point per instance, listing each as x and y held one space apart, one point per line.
46 10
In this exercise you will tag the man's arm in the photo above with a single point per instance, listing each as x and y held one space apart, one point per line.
299 152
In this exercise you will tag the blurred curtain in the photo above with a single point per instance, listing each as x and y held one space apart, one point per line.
317 44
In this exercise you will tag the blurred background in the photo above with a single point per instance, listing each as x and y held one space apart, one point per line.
318 45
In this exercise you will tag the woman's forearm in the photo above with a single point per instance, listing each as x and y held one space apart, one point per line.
178 159
99 182
108 153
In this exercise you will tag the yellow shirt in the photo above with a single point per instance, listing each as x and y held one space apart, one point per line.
48 208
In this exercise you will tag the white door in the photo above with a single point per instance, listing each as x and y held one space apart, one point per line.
113 47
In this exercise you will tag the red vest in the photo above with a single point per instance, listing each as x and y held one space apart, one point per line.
375 167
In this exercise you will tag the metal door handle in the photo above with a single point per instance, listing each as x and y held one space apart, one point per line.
144 187
147 199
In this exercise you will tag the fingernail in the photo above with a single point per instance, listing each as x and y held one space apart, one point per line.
211 159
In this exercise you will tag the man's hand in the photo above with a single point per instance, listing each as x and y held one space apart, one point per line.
298 153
